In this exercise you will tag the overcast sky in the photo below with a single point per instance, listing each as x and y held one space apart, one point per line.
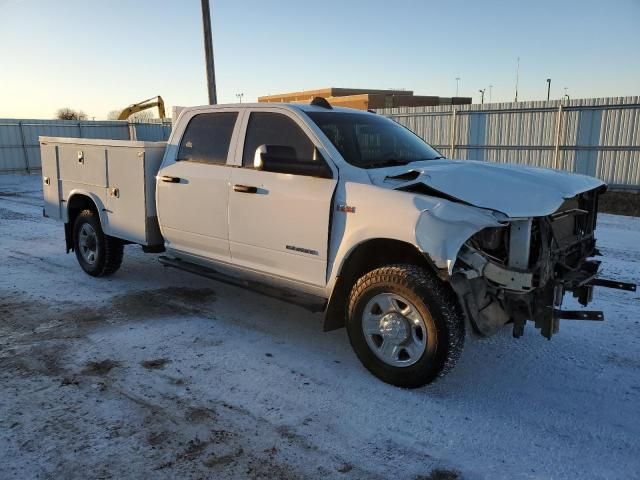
100 56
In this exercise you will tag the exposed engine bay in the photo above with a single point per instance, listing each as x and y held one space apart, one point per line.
538 245
522 270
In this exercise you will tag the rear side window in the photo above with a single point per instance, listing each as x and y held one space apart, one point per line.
207 138
275 129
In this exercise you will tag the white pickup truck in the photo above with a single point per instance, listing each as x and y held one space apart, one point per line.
344 212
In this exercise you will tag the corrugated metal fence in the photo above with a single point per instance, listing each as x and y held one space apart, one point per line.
595 136
20 150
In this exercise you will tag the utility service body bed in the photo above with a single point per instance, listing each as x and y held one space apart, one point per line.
118 175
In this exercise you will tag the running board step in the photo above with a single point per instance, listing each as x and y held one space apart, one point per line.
579 315
602 282
308 301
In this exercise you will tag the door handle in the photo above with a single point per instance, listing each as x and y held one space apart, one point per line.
169 179
245 189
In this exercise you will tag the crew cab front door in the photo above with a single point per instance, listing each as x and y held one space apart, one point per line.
279 222
193 188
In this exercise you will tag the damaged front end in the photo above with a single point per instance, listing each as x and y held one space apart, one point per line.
521 271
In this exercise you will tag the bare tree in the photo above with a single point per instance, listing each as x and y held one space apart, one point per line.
113 115
67 113
143 116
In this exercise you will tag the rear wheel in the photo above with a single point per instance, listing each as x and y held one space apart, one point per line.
98 254
405 325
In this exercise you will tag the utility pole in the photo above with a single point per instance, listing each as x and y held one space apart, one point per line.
548 88
239 97
482 96
490 92
208 52
457 85
517 78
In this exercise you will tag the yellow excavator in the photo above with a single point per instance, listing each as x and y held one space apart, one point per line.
144 105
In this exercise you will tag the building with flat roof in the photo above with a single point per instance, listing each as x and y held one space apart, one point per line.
365 99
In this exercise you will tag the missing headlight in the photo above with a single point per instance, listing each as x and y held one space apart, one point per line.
493 241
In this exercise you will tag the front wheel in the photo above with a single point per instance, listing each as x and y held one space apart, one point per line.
405 325
98 254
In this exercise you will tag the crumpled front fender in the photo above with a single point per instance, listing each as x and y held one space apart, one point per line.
442 230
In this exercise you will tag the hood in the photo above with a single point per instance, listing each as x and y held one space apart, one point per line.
514 190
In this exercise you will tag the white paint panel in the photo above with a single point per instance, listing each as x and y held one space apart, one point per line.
126 206
85 164
193 213
287 210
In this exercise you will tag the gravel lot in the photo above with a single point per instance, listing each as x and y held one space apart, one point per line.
154 373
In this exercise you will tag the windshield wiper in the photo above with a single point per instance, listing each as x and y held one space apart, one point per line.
392 162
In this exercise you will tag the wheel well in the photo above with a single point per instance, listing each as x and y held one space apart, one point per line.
364 258
76 204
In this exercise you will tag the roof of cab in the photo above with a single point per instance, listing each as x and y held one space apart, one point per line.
304 107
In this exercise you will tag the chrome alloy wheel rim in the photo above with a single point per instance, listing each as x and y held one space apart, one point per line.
88 241
394 330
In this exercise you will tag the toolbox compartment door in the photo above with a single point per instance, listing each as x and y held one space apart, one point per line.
126 200
50 181
83 164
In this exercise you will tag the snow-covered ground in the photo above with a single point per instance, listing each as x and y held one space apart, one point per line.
155 373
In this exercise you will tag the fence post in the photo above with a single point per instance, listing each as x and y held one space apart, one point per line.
556 153
133 133
452 150
24 148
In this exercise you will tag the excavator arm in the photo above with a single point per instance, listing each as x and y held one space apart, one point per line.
144 105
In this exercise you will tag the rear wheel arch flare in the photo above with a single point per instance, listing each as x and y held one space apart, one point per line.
76 203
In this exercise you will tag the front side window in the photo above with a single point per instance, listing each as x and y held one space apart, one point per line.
207 138
276 130
372 141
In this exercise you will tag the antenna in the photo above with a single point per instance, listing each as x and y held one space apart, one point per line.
321 102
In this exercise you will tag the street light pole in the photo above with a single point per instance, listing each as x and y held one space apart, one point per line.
482 96
517 78
457 85
548 88
239 97
208 52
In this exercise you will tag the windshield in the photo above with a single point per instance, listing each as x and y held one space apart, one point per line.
372 141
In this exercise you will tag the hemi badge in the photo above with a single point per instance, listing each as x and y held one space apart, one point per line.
345 208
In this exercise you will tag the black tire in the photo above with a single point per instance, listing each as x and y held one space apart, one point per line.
108 250
435 302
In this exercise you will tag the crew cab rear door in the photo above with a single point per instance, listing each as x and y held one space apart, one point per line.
279 222
193 188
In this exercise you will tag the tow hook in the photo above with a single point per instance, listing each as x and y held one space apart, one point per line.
578 314
592 314
601 282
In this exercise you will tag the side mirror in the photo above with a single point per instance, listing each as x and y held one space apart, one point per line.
283 159
272 153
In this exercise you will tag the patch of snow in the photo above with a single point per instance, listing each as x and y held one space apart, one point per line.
157 373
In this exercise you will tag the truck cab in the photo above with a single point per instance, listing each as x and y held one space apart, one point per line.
214 205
